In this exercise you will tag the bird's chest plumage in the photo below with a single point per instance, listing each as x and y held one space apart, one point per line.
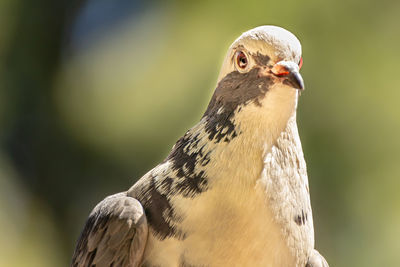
262 222
229 232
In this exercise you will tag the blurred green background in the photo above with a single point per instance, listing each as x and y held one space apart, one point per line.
94 93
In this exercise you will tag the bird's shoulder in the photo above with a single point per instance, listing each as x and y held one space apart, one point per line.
115 234
155 191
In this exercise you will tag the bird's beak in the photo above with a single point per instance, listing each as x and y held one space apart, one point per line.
290 71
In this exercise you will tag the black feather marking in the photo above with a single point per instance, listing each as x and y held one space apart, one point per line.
260 59
233 91
159 211
185 156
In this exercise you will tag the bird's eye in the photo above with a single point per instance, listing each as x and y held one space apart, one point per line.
241 60
300 62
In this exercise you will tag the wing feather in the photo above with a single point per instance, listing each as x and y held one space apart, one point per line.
115 234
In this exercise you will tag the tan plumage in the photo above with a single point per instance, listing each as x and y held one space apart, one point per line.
234 189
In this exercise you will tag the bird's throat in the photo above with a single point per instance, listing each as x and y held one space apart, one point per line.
231 146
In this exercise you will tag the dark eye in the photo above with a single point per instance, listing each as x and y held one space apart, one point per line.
241 60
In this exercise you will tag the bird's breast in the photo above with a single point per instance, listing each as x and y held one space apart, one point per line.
233 231
254 212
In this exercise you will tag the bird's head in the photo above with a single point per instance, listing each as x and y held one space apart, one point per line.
270 51
260 73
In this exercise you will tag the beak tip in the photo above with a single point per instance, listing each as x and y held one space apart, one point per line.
301 87
296 80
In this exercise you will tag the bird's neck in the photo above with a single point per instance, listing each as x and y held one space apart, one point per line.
223 155
233 147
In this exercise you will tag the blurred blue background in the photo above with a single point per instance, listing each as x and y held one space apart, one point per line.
94 93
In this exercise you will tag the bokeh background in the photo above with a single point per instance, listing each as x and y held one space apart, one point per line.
94 93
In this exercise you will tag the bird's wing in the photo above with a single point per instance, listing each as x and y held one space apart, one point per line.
115 234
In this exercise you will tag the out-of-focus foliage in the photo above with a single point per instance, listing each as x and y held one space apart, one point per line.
93 94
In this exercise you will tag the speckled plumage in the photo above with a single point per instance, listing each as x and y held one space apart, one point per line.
234 189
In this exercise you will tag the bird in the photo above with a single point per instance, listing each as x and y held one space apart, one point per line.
233 191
